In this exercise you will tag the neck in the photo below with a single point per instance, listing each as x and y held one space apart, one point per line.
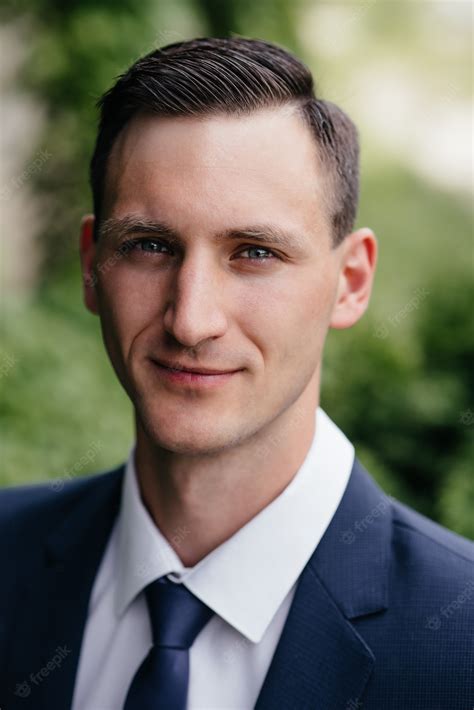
198 502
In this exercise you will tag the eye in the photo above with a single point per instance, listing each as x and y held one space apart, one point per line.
268 255
150 246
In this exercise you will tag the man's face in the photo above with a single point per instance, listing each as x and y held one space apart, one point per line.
205 299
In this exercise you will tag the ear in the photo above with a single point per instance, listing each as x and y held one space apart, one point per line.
87 248
356 275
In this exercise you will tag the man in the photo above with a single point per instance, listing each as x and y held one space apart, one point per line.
242 557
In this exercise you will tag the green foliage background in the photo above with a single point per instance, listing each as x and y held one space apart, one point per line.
400 384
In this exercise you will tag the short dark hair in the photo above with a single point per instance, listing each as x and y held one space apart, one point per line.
236 75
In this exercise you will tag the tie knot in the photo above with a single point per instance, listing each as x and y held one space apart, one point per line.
176 615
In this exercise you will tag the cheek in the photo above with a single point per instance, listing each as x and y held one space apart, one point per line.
127 306
289 321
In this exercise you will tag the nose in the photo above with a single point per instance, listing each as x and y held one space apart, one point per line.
194 311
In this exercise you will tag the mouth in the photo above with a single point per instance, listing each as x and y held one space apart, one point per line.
196 377
176 367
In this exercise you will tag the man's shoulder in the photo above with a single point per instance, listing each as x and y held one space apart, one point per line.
410 583
411 534
38 505
425 564
424 576
420 538
430 575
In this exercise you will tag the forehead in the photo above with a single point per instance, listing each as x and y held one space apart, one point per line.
219 168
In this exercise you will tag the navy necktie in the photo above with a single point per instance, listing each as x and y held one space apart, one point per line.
177 617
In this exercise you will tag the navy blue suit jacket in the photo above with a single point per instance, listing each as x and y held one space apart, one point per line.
382 618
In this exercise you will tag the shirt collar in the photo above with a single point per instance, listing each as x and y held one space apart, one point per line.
245 579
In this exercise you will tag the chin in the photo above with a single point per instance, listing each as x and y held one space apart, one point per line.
187 434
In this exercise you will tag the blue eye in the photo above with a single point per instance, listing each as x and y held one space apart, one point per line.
259 249
149 245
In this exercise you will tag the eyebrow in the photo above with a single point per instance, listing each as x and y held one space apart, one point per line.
119 228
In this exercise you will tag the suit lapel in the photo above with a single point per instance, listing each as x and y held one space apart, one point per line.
321 662
54 606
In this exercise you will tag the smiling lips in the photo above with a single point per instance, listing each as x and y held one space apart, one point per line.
203 378
177 367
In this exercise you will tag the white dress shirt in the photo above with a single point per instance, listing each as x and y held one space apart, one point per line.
248 581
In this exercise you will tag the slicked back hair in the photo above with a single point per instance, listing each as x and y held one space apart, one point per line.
236 76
